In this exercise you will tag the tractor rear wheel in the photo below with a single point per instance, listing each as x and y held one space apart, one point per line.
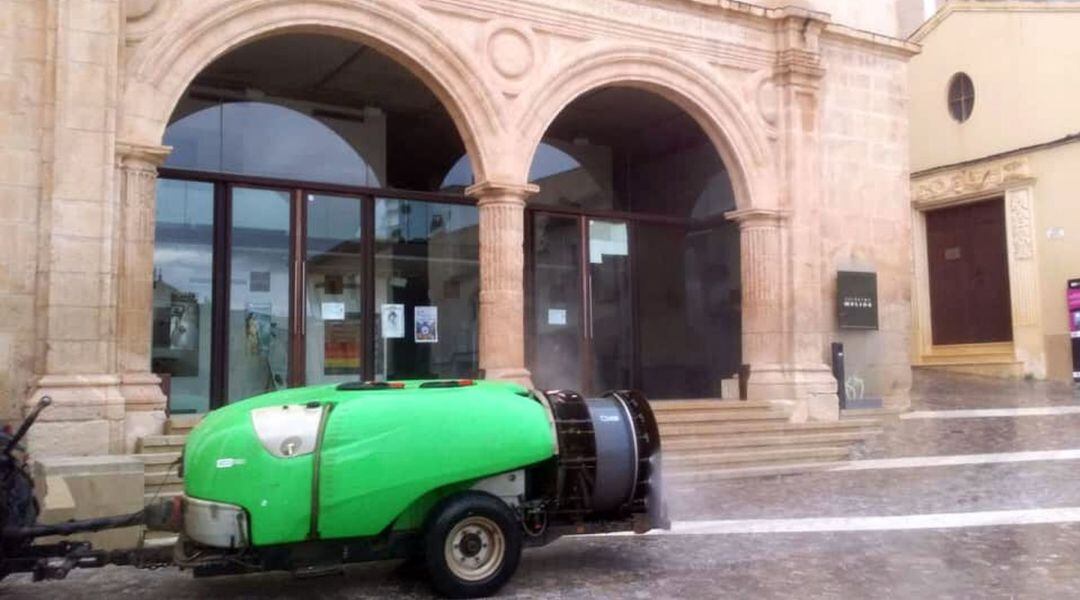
472 545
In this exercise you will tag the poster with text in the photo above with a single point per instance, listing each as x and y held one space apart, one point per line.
393 320
426 324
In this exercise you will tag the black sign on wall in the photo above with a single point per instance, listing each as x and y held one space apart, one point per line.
856 300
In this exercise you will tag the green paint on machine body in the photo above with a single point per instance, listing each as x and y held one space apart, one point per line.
385 458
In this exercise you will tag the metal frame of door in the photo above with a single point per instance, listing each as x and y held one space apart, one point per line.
586 331
222 265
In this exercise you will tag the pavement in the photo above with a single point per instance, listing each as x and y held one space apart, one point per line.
972 495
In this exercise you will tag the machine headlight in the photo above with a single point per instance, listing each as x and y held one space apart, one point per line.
289 430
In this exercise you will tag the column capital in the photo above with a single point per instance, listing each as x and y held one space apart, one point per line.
757 217
483 190
141 155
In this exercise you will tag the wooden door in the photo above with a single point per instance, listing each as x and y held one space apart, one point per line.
969 274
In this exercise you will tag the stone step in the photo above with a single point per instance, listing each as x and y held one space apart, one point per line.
160 443
152 496
755 457
719 416
152 479
870 413
182 424
683 445
160 483
677 430
661 406
686 479
159 462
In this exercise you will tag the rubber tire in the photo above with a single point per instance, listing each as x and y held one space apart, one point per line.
443 519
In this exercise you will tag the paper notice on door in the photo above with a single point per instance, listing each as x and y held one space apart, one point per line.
333 311
426 324
393 320
556 316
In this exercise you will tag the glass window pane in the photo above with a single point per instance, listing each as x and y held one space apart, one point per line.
183 284
259 293
333 349
611 331
263 139
577 175
427 281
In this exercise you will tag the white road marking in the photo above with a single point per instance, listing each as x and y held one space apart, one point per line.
1033 516
983 413
956 460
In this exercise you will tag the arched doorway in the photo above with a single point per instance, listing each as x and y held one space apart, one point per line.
633 274
302 233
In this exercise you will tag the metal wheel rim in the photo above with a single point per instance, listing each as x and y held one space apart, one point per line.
486 561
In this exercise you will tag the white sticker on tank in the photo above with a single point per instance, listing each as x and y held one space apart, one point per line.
228 463
609 418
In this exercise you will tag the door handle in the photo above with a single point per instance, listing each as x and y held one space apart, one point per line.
302 293
589 309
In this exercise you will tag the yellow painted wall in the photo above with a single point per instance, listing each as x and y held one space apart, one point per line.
1023 62
1057 216
1027 84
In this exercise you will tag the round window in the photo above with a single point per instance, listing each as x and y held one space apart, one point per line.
961 97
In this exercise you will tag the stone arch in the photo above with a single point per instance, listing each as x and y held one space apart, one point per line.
742 145
163 65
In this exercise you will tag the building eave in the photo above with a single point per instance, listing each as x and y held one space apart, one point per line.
985 6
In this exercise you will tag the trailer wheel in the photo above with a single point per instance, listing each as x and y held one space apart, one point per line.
472 545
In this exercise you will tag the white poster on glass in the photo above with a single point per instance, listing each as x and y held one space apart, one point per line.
393 320
426 324
333 311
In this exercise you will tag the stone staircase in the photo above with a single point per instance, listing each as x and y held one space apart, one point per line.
703 440
160 454
707 440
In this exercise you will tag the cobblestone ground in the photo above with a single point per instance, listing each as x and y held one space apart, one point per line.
1010 560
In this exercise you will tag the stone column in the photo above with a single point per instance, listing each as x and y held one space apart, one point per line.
502 279
144 401
764 339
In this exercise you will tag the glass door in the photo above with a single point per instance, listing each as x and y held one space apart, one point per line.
332 334
426 283
260 291
558 315
609 316
582 325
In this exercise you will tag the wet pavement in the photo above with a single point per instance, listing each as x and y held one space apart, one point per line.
948 559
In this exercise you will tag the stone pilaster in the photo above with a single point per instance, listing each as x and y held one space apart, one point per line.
784 315
137 183
502 279
767 338
75 291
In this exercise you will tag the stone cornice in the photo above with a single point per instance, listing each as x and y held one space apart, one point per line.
874 41
944 187
584 24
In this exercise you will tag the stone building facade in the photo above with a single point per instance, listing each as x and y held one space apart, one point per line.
807 113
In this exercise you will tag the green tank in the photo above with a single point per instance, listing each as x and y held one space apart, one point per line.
457 474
